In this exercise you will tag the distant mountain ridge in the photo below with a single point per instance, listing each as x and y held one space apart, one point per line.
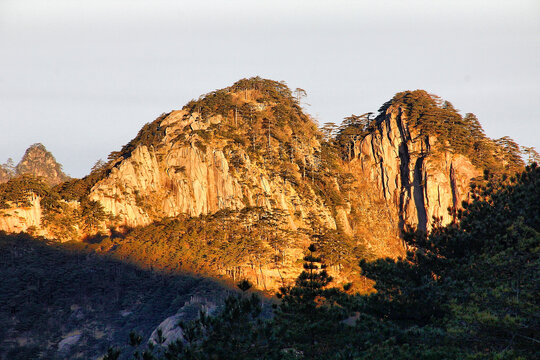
36 161
5 175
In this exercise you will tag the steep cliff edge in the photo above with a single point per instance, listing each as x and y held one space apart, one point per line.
420 154
24 187
413 173
176 177
248 151
21 219
234 152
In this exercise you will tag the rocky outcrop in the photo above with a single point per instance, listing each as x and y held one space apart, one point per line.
185 173
170 327
39 162
177 177
414 172
68 342
16 220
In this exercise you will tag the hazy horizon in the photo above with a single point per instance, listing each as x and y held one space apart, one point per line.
83 77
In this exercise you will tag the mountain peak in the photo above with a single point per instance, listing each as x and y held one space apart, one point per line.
38 161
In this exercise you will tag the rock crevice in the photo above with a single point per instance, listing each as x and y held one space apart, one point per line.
412 173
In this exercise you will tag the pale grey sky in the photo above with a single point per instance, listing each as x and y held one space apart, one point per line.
82 77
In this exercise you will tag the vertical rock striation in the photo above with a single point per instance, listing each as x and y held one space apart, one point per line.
413 172
16 220
176 177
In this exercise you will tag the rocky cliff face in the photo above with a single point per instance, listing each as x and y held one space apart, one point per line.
412 172
39 162
21 219
176 177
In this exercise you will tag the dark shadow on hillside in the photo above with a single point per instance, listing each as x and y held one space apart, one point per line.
49 291
94 239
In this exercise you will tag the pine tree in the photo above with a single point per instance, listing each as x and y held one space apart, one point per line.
235 333
308 317
329 131
474 283
531 155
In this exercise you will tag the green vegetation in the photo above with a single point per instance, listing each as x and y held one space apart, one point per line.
260 115
18 192
230 244
441 301
467 291
352 129
49 290
150 135
37 162
464 135
213 244
61 218
77 189
431 116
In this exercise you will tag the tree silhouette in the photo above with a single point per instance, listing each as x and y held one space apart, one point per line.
531 155
299 93
307 315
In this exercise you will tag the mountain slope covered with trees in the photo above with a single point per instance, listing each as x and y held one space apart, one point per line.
467 290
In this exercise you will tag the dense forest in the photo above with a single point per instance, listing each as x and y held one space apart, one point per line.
229 244
467 290
48 290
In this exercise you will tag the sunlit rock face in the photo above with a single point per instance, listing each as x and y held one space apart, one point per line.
411 172
180 174
175 177
21 219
